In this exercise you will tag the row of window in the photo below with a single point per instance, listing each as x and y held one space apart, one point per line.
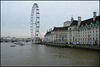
89 29
88 32
89 35
85 39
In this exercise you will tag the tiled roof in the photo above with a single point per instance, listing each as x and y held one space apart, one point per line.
75 22
88 21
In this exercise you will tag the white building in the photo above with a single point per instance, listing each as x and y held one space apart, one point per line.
84 32
59 34
48 37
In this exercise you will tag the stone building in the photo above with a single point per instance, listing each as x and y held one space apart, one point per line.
77 31
60 34
89 30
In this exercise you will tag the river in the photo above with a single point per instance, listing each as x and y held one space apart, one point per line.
42 55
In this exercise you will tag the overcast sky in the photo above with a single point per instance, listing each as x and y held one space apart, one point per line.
15 15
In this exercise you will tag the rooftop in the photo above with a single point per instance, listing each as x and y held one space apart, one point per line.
60 28
88 21
75 22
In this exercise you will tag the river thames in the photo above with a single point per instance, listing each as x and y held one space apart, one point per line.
42 55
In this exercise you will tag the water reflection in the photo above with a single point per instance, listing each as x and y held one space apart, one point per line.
42 55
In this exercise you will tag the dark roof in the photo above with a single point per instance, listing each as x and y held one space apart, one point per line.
88 21
75 22
60 28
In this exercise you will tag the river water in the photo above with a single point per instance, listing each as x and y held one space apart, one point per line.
42 55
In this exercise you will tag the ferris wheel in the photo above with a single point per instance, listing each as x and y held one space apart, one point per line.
35 22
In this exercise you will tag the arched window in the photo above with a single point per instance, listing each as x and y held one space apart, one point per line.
81 26
97 22
91 24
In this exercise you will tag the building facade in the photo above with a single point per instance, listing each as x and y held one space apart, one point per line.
83 32
89 30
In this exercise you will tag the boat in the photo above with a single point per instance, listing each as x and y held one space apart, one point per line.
15 42
12 46
21 44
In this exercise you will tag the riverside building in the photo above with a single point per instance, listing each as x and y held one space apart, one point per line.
76 31
89 30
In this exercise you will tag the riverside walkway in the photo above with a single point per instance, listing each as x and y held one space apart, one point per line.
90 47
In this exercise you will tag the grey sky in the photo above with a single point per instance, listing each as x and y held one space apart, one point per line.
15 16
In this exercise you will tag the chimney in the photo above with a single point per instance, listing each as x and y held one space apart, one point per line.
79 20
94 16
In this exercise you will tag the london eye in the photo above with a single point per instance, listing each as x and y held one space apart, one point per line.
35 23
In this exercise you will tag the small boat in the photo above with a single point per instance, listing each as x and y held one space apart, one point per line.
12 46
21 44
